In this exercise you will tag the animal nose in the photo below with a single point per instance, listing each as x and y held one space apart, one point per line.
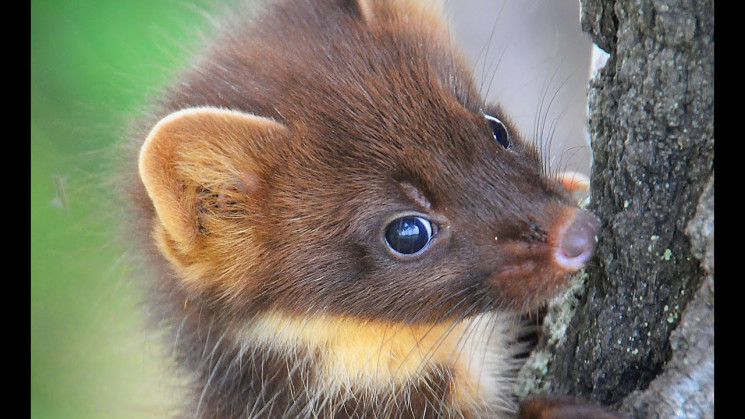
576 240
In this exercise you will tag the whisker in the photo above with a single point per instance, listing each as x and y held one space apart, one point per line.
485 51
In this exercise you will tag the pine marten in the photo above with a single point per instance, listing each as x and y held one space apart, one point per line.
339 226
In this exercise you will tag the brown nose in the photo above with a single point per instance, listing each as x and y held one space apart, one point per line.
576 240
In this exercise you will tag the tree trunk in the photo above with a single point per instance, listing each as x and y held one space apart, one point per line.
637 331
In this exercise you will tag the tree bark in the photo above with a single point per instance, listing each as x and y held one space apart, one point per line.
636 331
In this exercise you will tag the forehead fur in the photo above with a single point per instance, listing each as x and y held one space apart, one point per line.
328 69
303 48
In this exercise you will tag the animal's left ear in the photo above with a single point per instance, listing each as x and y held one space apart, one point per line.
427 13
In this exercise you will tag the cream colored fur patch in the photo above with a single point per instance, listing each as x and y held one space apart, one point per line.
384 356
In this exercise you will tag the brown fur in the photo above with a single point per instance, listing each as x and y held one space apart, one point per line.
289 146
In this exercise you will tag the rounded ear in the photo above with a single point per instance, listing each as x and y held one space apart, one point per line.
196 150
429 13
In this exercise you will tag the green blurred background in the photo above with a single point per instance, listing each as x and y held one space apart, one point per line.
94 63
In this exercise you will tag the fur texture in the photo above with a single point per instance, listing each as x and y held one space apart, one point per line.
266 178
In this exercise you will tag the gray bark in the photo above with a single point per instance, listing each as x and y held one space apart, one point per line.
636 332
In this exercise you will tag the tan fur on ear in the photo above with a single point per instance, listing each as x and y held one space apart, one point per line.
195 150
425 12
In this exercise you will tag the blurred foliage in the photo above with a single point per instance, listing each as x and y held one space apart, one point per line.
94 63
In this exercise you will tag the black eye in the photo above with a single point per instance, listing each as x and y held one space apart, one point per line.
409 235
499 131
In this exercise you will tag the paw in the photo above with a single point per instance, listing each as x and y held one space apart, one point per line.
558 407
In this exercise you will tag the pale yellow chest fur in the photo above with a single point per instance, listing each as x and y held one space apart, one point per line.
380 357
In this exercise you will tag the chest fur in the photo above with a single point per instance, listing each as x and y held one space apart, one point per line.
343 367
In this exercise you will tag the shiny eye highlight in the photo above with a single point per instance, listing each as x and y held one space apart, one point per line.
409 235
499 131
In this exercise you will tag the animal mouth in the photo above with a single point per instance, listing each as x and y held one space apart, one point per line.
534 272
